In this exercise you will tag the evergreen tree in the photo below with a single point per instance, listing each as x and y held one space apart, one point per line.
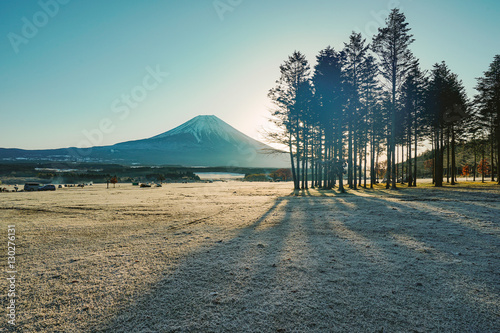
355 53
372 114
330 96
412 99
288 96
392 44
446 108
487 101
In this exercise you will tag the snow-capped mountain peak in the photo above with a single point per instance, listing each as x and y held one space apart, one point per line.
206 128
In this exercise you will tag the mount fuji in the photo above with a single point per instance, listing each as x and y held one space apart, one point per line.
202 141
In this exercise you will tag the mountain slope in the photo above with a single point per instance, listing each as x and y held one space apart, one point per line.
201 141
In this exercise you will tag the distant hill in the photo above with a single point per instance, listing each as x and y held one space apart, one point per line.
202 141
464 155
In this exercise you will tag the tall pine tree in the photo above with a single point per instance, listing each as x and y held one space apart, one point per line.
392 45
487 102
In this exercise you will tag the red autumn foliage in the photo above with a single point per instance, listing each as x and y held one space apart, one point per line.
466 170
483 167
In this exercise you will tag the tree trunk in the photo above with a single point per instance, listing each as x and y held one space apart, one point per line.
340 159
397 161
313 164
416 156
325 161
364 173
389 165
453 161
304 162
372 160
354 152
297 133
408 157
441 156
498 153
448 155
498 148
349 153
376 163
434 149
294 175
475 163
304 167
483 168
393 127
402 162
439 159
492 155
325 166
362 166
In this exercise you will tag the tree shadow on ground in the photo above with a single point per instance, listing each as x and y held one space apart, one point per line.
331 263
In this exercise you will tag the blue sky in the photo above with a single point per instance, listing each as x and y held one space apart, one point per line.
76 72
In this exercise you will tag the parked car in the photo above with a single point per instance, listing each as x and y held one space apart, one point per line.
31 186
48 187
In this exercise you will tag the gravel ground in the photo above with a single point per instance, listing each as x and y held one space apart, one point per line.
254 257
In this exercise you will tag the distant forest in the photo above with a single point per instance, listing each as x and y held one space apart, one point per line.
373 99
74 172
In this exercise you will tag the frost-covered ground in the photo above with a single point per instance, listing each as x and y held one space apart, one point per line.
249 257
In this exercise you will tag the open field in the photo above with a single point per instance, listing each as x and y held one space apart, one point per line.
250 257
